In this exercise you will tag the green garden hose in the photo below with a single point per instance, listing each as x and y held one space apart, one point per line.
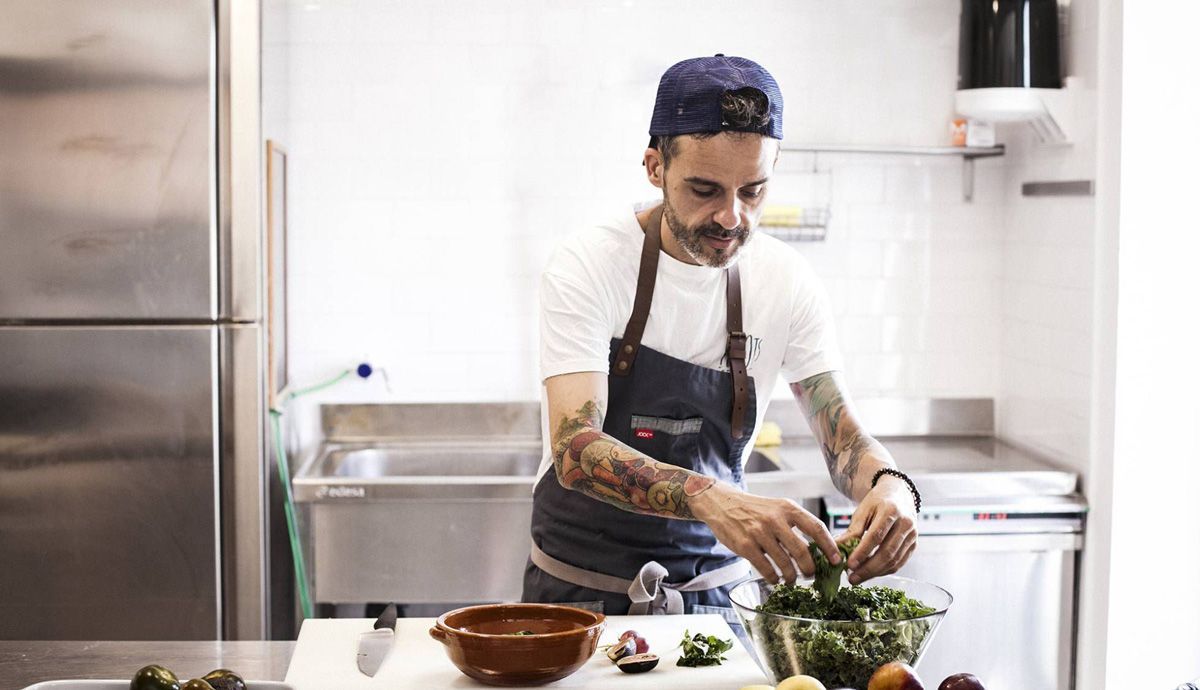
285 478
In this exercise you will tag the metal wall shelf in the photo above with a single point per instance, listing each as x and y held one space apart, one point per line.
964 151
967 153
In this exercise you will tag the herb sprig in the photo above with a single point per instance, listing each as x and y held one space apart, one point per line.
703 650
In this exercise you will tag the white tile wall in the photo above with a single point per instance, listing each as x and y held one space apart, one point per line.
440 150
276 109
1048 278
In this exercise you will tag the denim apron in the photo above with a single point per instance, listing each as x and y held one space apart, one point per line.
590 553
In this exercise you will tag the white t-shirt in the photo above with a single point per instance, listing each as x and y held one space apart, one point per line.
587 293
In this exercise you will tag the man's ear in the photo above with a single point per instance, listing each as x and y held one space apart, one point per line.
655 168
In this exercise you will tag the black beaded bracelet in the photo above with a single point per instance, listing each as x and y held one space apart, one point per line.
900 475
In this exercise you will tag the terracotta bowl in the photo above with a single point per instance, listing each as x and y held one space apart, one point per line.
555 641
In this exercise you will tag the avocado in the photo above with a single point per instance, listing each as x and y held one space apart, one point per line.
224 679
154 677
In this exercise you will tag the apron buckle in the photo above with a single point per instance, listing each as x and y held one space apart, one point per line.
737 345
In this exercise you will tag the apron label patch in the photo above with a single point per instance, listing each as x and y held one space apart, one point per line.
674 427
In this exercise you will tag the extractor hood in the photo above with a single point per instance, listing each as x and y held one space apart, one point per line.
1009 64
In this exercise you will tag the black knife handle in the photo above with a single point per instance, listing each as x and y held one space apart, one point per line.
387 619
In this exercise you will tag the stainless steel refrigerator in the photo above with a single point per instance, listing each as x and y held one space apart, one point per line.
131 373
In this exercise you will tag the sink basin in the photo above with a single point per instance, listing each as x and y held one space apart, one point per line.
443 460
439 521
456 462
758 462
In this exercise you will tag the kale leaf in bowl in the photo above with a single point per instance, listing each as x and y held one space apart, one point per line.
843 641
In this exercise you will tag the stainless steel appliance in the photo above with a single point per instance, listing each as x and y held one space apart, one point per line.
131 382
429 505
1011 561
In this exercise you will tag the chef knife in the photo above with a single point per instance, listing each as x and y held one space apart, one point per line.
374 645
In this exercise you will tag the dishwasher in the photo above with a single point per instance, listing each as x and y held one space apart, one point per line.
1011 563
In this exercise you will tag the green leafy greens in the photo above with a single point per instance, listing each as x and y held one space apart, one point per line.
828 577
703 650
848 604
852 631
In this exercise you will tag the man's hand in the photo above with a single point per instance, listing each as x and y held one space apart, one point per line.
886 516
886 522
755 527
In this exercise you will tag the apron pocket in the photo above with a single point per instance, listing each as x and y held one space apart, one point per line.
675 441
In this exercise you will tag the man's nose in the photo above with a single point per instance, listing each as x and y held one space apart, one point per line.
729 214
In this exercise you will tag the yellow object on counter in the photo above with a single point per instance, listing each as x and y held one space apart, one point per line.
800 683
769 435
781 216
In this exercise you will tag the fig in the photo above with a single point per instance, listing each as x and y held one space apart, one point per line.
638 663
628 634
622 649
196 684
800 683
154 677
961 681
642 645
895 676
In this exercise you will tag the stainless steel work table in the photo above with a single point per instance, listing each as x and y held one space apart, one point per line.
460 476
23 663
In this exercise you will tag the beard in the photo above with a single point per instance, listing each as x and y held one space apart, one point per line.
691 238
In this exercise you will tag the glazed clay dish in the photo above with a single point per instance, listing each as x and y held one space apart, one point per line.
519 644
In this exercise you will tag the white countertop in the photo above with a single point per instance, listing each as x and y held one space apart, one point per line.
325 658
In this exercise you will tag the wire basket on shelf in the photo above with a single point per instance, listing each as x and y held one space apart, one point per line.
796 223
806 196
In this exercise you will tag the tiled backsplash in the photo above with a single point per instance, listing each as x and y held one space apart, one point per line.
439 151
1044 400
1049 289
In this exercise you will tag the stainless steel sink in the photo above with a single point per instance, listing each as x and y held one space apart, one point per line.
443 460
423 470
437 521
758 462
455 460
400 506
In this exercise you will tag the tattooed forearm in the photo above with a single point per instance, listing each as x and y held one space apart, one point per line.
590 416
848 450
591 462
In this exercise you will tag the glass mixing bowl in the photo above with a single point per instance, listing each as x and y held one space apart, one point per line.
841 654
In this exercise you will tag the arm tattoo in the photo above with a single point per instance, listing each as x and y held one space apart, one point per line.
593 463
843 443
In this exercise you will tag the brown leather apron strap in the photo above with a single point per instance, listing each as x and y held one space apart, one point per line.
736 349
648 271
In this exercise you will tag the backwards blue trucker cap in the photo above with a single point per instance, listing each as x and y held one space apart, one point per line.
690 92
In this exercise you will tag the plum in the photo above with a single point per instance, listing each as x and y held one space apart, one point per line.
961 681
895 676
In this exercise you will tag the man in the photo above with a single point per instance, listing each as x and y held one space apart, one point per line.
662 336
